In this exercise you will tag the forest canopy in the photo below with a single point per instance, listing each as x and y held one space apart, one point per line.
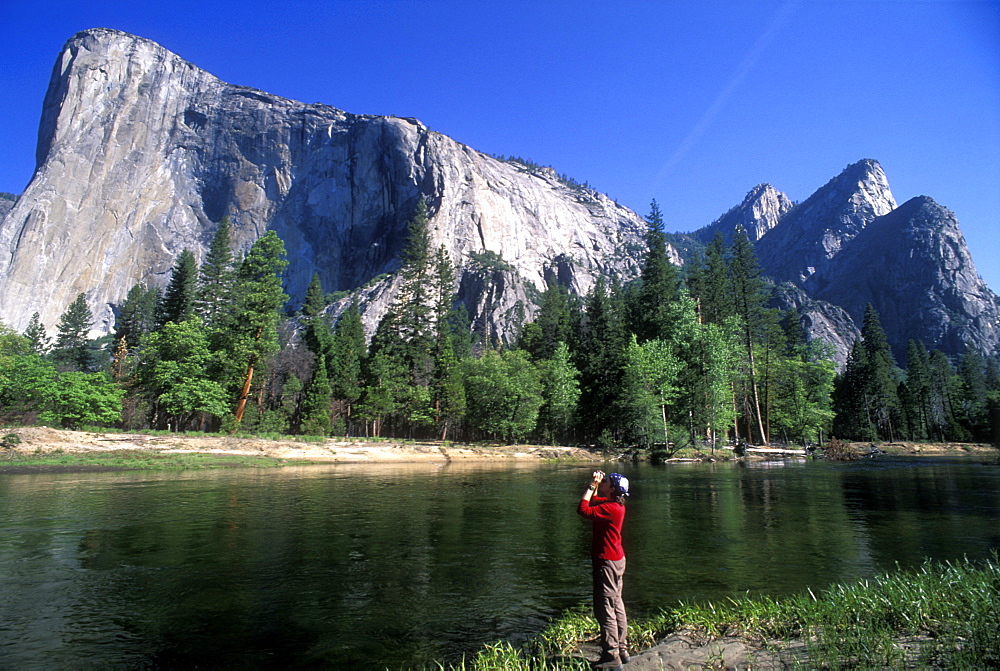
698 358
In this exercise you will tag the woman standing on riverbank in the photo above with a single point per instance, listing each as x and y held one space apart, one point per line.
606 512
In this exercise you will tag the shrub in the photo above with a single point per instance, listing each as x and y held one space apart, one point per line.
837 450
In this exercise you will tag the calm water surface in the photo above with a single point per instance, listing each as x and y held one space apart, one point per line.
389 567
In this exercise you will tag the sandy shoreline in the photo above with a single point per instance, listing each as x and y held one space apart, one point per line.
43 440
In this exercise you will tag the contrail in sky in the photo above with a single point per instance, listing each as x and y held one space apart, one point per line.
779 21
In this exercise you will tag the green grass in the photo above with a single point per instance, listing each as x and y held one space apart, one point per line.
133 460
943 615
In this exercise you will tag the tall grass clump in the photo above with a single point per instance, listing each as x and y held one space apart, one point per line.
943 615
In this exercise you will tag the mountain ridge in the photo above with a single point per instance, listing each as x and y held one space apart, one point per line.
142 153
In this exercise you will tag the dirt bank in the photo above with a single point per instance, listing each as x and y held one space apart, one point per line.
39 439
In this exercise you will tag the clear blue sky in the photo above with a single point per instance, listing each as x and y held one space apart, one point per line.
690 103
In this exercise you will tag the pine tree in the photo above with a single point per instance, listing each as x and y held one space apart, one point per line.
749 299
404 341
915 393
258 300
880 383
448 390
71 347
943 384
318 336
35 333
315 301
973 395
177 304
136 315
347 360
416 301
216 277
712 287
852 416
657 284
601 363
316 404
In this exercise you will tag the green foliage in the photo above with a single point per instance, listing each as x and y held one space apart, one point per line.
35 333
76 399
867 401
488 261
316 404
178 302
216 278
259 297
315 299
347 356
71 348
136 315
657 284
175 371
504 394
651 371
561 394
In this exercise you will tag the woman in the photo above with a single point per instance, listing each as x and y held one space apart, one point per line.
606 512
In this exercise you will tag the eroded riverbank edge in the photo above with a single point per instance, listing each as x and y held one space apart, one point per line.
46 442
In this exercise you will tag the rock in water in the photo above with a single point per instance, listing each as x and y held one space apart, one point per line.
141 154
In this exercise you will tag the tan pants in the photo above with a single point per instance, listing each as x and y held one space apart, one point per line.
609 609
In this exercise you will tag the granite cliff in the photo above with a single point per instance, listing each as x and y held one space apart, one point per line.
141 154
849 244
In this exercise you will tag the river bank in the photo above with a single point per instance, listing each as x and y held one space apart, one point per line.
43 448
39 448
941 616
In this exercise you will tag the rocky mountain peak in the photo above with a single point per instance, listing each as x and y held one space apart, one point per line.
815 231
141 154
914 267
761 210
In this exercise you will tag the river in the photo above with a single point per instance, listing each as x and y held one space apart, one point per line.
391 566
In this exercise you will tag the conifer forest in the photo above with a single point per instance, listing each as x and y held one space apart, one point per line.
694 358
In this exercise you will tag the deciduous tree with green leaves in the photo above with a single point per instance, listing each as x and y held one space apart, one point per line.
561 394
650 378
504 393
174 371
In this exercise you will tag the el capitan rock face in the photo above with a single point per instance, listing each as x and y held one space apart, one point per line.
141 154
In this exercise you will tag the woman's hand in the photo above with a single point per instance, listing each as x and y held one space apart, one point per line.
595 480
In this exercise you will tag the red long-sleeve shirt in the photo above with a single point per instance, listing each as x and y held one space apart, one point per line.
607 516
